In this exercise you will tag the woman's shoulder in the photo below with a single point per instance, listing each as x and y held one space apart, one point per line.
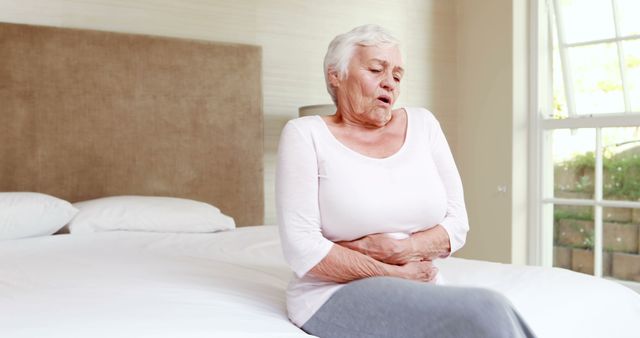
421 114
304 124
302 127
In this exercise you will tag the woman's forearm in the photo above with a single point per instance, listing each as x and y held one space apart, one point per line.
432 243
425 245
342 265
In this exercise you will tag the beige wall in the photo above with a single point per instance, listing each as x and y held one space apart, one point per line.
491 126
294 35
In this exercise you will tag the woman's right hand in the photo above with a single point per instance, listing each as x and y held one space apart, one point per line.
423 271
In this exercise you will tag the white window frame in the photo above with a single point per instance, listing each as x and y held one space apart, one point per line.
540 183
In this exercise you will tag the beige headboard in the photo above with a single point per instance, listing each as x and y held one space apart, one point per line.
86 114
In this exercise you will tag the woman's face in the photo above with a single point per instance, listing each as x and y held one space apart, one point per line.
372 85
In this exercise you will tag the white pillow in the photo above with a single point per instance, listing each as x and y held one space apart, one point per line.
148 213
30 214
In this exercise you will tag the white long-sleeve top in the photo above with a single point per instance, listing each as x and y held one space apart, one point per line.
327 192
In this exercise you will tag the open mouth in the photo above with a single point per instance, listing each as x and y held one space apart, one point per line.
385 99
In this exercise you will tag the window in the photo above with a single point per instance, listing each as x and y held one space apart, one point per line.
586 137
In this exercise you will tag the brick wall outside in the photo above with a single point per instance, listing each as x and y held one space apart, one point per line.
574 230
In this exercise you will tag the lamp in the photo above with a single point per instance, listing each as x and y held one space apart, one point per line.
317 109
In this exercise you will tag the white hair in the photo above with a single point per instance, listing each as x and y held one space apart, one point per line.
341 50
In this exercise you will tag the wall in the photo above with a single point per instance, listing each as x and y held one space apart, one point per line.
492 126
294 35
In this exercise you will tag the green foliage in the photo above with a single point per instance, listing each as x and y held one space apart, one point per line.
589 240
559 111
609 86
633 61
583 216
582 161
621 174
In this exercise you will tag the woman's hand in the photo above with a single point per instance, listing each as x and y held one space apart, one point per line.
432 243
385 249
422 271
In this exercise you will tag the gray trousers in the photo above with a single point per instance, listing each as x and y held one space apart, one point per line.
394 307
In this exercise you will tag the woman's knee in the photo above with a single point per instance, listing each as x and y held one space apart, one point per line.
492 315
492 299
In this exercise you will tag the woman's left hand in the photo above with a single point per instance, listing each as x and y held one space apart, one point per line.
385 249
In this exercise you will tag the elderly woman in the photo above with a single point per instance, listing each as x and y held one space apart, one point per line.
367 198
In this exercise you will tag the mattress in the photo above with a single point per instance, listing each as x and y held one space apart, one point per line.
137 284
232 284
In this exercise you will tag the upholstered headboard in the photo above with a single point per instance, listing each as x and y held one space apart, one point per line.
86 114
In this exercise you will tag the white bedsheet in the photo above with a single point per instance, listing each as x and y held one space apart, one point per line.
555 302
135 284
232 284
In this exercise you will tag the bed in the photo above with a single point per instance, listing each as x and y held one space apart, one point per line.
89 114
232 284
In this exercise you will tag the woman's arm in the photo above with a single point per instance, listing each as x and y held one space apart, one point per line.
343 265
303 243
455 223
423 245
432 243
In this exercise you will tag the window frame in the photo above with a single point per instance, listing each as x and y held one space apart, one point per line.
540 181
